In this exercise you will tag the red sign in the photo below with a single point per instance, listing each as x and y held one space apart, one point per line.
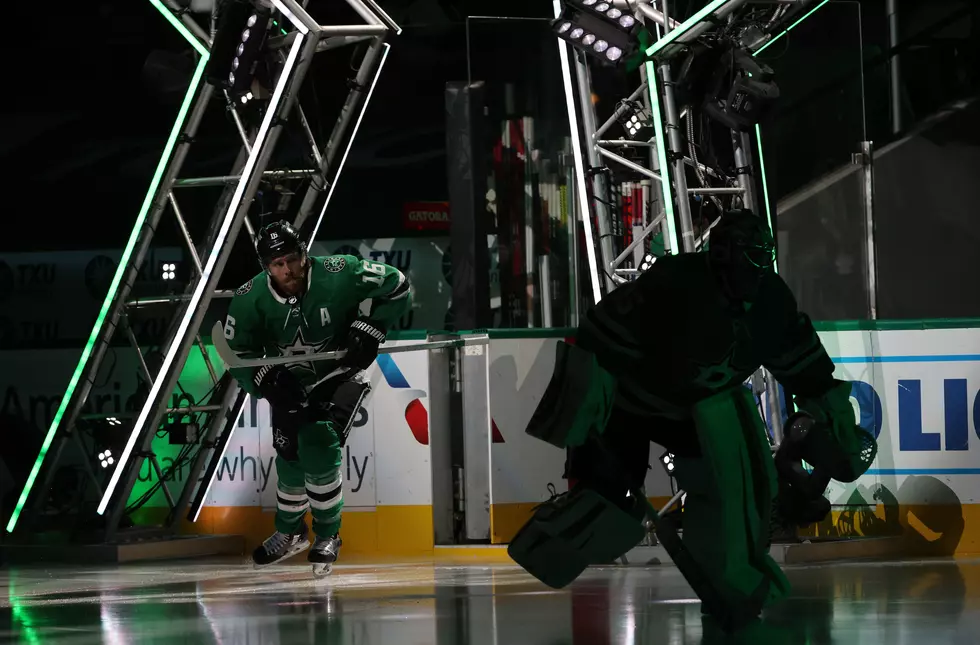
426 216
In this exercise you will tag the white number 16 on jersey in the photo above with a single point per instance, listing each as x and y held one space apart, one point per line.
377 269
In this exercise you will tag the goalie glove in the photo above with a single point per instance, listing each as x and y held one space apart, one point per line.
363 340
836 444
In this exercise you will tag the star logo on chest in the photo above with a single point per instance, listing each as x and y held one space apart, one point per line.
299 347
720 373
712 377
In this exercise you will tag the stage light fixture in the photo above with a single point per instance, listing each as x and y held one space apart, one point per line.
596 34
622 19
169 271
667 459
647 263
105 458
238 44
107 434
183 429
637 122
743 93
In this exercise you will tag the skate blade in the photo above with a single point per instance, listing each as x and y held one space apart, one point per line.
322 569
298 548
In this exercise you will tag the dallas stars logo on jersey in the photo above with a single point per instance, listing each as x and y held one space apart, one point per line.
334 264
299 347
262 321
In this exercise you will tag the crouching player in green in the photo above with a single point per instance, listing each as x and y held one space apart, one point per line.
663 359
303 305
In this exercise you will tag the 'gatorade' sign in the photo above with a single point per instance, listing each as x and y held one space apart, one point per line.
426 216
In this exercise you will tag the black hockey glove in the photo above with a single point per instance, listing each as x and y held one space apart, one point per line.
363 340
281 388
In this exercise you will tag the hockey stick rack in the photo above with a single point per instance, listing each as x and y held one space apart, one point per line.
96 520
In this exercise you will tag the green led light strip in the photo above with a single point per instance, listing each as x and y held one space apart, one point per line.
123 261
790 28
684 27
758 128
658 125
652 87
209 266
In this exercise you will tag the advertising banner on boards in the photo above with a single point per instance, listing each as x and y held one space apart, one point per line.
918 391
52 299
394 418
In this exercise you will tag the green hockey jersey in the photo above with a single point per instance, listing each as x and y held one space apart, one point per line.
261 322
672 340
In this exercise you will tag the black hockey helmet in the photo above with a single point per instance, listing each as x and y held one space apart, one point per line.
276 240
741 250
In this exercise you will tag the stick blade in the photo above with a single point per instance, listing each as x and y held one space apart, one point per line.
221 346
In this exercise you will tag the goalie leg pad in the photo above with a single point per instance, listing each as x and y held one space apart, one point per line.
577 402
730 489
572 531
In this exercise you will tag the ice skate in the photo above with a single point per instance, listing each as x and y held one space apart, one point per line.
323 554
279 547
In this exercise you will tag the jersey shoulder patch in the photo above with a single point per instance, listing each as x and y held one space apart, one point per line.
245 288
334 263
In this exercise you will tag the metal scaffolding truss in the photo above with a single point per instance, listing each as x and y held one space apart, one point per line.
666 208
299 40
669 153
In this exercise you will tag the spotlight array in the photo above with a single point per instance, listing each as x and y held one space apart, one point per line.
599 29
238 45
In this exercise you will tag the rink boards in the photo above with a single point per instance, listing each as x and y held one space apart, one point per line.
918 388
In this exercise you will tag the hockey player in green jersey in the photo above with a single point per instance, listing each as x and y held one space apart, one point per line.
302 305
664 359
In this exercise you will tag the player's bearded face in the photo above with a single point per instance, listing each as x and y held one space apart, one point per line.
289 273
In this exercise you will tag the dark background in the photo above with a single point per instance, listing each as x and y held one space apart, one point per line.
88 108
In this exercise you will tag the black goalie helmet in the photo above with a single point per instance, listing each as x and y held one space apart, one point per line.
276 240
741 251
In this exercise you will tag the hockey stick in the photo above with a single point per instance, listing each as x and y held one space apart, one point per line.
232 361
